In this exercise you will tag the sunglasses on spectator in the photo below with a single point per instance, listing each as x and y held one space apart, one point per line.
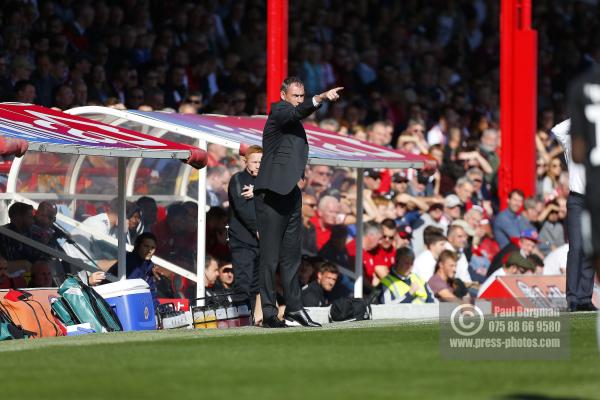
194 101
311 205
227 270
386 237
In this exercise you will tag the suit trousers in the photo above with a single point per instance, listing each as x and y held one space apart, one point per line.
244 258
580 274
279 222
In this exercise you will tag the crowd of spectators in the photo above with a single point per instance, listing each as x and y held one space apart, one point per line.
419 76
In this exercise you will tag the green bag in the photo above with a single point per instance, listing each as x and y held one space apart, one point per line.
78 303
8 330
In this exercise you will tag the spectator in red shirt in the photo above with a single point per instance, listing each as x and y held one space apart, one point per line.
326 217
169 232
372 234
386 250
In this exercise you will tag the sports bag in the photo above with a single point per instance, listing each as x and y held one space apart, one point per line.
346 309
78 303
29 314
8 330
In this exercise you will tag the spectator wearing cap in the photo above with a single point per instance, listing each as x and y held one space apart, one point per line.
452 209
372 179
399 183
509 223
526 245
318 292
404 236
372 233
328 214
435 242
433 217
422 185
401 285
515 264
444 284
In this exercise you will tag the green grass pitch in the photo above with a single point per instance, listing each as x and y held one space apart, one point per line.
387 359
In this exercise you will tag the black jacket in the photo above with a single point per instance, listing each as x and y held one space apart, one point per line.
242 217
313 295
285 147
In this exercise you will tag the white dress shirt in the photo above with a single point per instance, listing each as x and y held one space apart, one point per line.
424 265
576 171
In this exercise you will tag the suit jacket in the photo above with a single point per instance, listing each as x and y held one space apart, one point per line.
285 148
242 215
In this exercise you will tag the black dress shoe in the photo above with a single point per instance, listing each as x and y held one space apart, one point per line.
585 307
300 317
273 322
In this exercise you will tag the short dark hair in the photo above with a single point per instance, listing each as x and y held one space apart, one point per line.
176 210
433 238
19 209
388 223
516 191
445 255
141 237
328 267
404 255
289 81
145 200
536 260
22 84
208 259
431 231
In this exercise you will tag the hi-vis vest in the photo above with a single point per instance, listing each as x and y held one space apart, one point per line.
396 289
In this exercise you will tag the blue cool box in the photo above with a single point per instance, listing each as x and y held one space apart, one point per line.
132 301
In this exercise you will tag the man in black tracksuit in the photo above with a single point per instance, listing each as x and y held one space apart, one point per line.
243 240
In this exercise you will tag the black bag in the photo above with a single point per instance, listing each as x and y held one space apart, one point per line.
346 309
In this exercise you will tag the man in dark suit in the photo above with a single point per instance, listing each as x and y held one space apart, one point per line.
278 200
